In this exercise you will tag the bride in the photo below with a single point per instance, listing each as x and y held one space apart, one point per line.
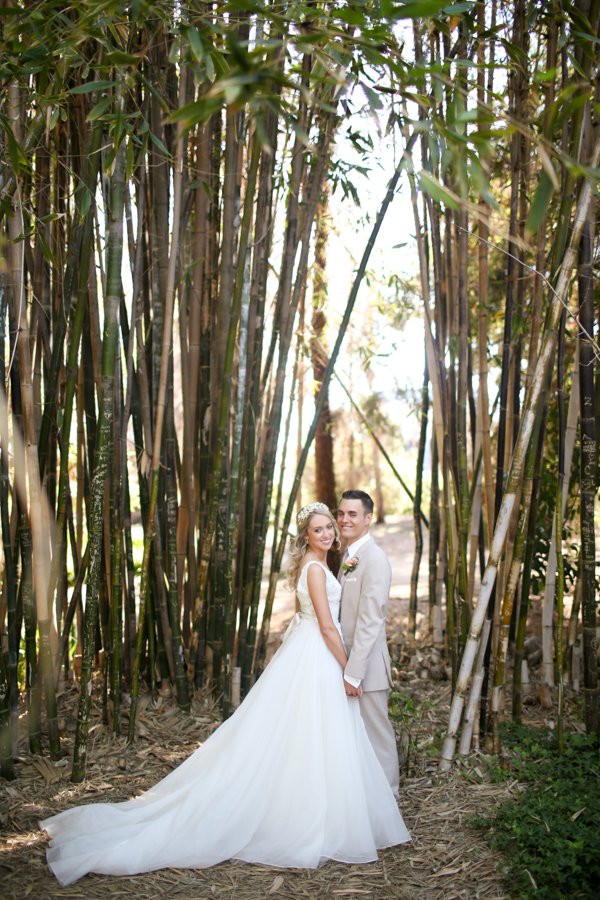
289 780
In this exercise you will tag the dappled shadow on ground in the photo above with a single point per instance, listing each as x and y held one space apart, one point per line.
445 859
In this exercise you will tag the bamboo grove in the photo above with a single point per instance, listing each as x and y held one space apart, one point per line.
163 185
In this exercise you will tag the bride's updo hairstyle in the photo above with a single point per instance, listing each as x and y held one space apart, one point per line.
299 543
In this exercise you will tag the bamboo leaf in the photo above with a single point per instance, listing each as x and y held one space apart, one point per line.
119 58
422 9
539 204
159 144
99 109
195 43
437 191
548 167
92 86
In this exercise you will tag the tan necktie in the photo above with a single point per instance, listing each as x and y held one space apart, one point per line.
344 559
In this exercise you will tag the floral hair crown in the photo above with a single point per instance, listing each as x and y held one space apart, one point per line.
312 508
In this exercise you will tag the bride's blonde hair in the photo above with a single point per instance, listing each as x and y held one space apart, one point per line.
299 543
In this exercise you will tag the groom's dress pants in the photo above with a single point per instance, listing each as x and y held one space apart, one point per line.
374 711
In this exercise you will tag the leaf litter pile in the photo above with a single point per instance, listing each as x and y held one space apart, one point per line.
446 859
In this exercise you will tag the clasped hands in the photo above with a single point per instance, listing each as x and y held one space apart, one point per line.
352 691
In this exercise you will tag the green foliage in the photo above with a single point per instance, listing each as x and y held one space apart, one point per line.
410 715
551 835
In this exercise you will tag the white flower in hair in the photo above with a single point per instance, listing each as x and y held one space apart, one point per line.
312 508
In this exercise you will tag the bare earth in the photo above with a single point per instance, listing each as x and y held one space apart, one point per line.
446 859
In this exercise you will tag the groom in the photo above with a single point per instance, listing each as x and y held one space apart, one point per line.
365 596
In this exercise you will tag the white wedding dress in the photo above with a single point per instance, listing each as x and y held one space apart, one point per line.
289 780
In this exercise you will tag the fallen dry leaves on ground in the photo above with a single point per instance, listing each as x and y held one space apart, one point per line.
446 860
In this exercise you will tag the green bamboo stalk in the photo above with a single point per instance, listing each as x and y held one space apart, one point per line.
560 562
234 480
116 593
7 766
587 482
39 532
258 290
32 676
183 699
511 584
167 337
434 531
463 500
101 457
9 568
517 697
73 604
418 531
217 516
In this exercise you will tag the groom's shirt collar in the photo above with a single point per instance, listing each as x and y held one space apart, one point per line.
353 548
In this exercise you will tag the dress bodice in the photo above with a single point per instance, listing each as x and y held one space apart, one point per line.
334 593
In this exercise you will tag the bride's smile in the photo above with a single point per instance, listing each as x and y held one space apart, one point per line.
321 535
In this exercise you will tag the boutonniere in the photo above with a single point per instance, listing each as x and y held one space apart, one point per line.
349 565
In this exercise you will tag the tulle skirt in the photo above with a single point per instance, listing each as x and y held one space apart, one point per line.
289 780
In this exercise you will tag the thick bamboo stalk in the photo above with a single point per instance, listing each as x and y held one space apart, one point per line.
7 766
101 459
545 360
472 707
497 702
588 482
528 557
414 576
183 699
550 585
167 336
483 283
47 631
234 481
559 518
9 568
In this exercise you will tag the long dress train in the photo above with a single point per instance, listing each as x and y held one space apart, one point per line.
290 779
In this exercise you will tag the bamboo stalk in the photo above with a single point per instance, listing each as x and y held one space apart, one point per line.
101 459
47 631
414 576
167 335
551 567
587 482
559 518
544 362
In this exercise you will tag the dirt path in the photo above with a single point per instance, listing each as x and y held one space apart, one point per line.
446 859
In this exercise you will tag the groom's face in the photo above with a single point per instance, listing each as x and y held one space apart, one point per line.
353 521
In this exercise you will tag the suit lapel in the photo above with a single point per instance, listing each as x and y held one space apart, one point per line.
357 556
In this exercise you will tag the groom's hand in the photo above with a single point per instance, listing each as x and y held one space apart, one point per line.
351 691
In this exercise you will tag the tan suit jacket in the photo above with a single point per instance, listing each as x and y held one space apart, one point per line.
365 597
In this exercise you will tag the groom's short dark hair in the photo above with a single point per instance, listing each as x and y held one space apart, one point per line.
364 498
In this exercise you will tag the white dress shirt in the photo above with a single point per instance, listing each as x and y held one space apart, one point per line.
352 549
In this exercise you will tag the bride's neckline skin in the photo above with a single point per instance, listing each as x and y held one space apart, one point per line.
320 535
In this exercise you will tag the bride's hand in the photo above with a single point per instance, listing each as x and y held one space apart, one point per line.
352 691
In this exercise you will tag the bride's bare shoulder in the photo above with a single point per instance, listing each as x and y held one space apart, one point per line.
315 573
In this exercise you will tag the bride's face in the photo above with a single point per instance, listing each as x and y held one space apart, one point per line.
320 533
